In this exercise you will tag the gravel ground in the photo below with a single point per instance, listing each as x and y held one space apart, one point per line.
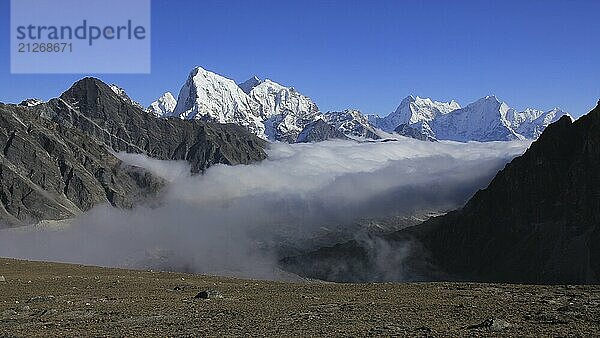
49 299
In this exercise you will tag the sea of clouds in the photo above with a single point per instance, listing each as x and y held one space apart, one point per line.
232 220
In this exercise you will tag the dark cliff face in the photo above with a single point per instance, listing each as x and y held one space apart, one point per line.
538 221
91 106
51 172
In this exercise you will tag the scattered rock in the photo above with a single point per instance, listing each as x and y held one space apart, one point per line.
39 299
48 313
492 324
209 294
24 308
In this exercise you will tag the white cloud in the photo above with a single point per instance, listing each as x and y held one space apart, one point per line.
230 219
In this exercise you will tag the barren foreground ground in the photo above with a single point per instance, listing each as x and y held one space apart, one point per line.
48 299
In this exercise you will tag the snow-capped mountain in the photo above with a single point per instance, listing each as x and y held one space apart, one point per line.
122 94
284 111
531 122
414 110
353 124
486 119
266 108
164 106
278 113
212 97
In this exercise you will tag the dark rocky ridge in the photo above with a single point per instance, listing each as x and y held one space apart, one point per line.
52 172
537 222
57 160
91 106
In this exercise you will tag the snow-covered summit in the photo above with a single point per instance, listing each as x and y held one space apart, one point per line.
164 106
483 120
279 113
413 110
487 119
212 97
531 122
284 110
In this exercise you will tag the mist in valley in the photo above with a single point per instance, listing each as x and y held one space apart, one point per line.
233 220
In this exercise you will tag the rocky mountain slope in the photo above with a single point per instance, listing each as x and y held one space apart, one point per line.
537 222
57 159
353 124
49 171
89 105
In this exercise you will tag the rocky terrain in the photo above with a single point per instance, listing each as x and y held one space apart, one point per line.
91 106
537 222
57 159
48 171
50 299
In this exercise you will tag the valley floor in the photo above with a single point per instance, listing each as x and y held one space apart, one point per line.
49 299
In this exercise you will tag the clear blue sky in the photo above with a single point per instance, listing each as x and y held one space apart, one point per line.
365 54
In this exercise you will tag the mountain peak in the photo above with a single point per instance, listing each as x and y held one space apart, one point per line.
211 97
488 99
87 91
408 99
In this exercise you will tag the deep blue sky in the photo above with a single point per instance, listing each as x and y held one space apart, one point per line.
365 54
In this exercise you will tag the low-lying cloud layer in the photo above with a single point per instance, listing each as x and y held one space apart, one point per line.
232 220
